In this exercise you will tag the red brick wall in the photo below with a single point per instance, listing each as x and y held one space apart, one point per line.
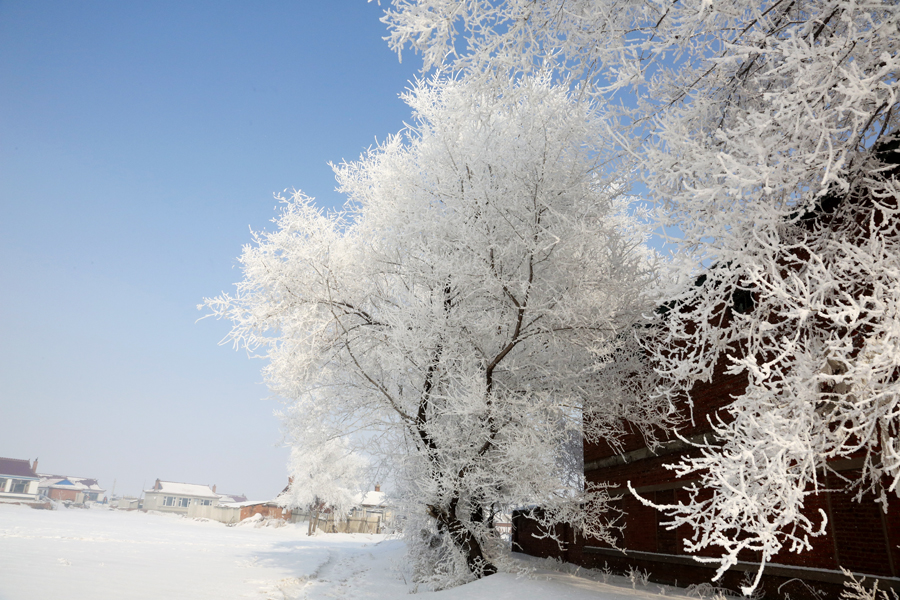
707 397
268 512
892 528
62 495
529 538
860 536
861 532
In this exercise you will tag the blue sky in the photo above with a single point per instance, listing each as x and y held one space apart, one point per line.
139 143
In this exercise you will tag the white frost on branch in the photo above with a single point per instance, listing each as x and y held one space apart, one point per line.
454 318
324 471
767 132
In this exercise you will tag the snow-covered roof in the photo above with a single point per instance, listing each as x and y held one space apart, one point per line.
372 499
231 498
183 489
248 503
16 467
68 482
48 480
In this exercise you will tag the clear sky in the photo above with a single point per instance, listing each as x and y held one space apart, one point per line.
139 143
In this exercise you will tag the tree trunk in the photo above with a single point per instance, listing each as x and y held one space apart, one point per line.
313 522
463 539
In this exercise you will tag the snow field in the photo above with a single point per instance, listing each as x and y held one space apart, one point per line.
100 554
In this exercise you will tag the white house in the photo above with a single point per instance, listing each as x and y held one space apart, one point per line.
169 496
371 504
18 481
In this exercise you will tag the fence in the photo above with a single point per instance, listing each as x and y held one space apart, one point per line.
223 514
362 524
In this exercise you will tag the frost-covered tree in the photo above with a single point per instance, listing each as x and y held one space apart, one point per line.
451 320
324 470
767 131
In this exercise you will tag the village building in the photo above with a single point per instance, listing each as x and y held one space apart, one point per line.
234 508
126 503
197 501
169 496
860 536
231 498
372 506
372 514
65 488
266 509
18 480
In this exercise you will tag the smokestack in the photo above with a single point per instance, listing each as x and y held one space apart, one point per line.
34 466
214 488
377 488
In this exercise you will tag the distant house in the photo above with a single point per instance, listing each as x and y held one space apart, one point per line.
126 503
18 481
268 509
169 496
370 515
234 508
63 488
371 505
227 509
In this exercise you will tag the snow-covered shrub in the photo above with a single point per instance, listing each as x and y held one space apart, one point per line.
638 577
707 591
857 589
606 573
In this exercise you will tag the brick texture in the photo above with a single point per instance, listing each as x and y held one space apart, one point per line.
860 535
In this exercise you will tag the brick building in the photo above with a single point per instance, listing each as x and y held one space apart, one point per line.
266 509
860 536
65 488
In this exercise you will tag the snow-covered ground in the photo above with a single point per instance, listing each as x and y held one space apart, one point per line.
99 554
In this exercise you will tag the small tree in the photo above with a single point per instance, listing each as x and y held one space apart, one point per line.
458 310
325 472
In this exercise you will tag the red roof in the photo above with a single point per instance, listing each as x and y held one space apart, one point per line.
16 467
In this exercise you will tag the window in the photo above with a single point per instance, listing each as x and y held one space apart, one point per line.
169 501
19 486
3 481
183 502
205 502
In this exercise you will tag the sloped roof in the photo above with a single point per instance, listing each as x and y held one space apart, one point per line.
78 483
48 480
226 498
16 467
250 503
372 499
184 489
